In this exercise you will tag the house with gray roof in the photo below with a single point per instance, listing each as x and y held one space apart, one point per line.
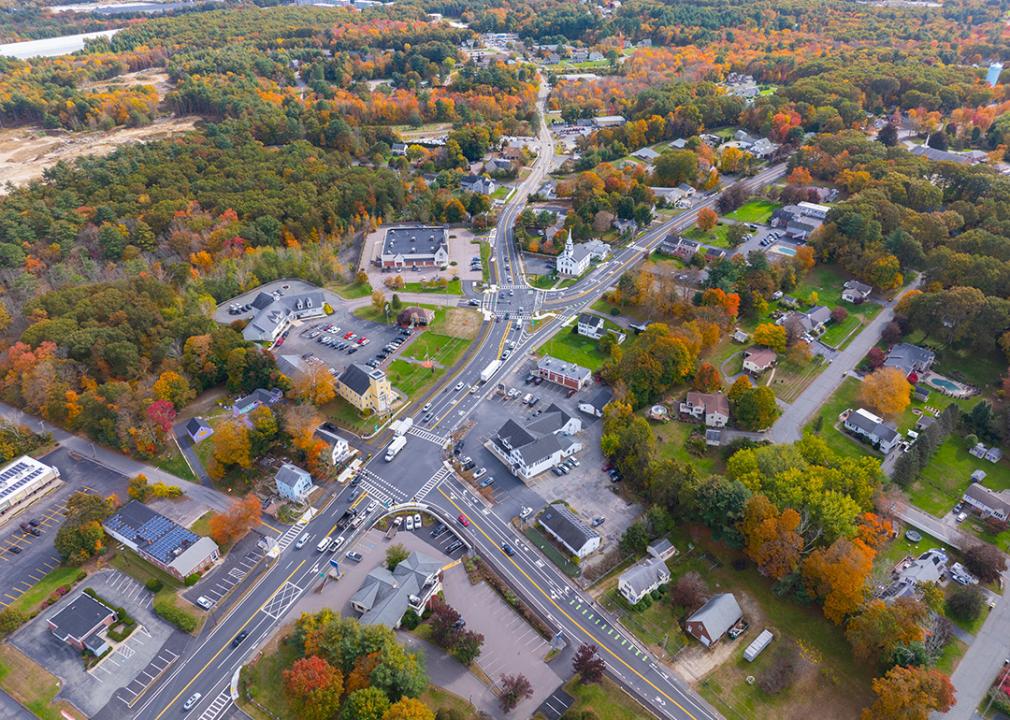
414 247
276 312
908 575
385 595
81 623
542 444
642 578
713 619
293 483
872 428
910 358
260 396
198 429
477 184
566 374
987 503
591 326
573 534
856 292
161 541
595 404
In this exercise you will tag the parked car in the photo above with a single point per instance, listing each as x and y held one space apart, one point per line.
417 520
205 602
961 517
410 522
487 482
353 556
525 512
479 473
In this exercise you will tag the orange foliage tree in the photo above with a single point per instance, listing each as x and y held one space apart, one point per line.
910 693
242 516
838 576
313 687
887 391
771 537
707 218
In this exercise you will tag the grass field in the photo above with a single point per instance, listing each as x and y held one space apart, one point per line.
716 237
261 678
790 380
410 378
441 349
657 625
605 700
30 684
351 291
38 592
173 462
455 287
976 368
574 348
438 699
670 439
757 210
838 335
347 416
948 474
823 424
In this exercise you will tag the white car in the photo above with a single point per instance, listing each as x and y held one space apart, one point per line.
427 407
193 700
459 386
525 512
398 521
410 523
371 507
474 388
480 473
335 545
205 602
301 541
417 520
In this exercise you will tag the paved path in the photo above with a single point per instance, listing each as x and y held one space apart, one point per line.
446 672
932 525
789 427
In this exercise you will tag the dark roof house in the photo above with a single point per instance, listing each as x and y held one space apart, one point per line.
562 524
711 621
78 620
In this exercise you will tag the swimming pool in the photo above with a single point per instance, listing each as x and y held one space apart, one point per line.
784 250
944 384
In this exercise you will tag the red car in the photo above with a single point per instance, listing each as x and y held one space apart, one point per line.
347 335
464 521
362 341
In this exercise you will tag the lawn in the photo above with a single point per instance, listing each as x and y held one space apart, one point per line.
716 237
552 552
485 260
201 526
948 474
173 462
30 599
838 335
347 416
543 282
757 210
787 380
454 287
571 347
261 678
605 700
410 378
971 366
441 349
823 424
438 699
369 312
657 626
827 281
670 439
31 684
353 290
501 192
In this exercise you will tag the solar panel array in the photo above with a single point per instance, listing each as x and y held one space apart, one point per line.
17 476
157 536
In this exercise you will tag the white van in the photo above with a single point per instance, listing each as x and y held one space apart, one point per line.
323 544
301 541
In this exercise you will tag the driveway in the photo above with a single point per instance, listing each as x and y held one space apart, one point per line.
789 427
932 525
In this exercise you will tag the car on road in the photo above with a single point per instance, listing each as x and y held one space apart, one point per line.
459 386
323 544
464 520
371 507
301 541
191 701
525 512
205 602
427 407
474 388
353 556
508 549
239 638
335 545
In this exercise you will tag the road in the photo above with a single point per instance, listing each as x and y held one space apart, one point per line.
789 427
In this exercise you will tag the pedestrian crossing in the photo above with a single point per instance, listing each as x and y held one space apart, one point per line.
221 702
427 435
381 490
435 479
289 537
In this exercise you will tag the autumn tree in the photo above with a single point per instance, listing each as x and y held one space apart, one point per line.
588 664
81 536
985 561
771 538
707 378
799 175
300 423
707 219
875 531
162 414
837 575
910 693
408 709
965 603
243 515
369 703
770 335
379 301
756 409
315 385
689 591
514 689
314 688
395 554
174 388
881 627
230 447
887 391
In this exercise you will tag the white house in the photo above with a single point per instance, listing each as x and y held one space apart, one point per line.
575 258
642 578
562 524
882 435
855 292
340 450
758 359
541 445
710 408
988 503
477 184
293 483
591 326
594 405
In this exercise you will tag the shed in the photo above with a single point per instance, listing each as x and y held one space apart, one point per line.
757 647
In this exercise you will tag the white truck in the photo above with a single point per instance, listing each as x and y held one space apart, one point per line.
395 447
490 370
400 427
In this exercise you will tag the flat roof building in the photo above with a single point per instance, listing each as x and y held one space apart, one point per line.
563 373
22 482
161 541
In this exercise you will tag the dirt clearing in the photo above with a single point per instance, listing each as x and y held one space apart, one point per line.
461 323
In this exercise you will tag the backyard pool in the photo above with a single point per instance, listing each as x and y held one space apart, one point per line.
784 250
948 386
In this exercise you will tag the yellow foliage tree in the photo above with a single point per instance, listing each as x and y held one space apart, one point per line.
887 391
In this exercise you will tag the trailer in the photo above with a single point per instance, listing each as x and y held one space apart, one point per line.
757 647
395 447
400 427
491 369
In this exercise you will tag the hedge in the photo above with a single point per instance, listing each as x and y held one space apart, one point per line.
166 609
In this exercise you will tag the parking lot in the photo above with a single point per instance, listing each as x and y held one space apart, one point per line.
461 251
586 486
240 561
91 689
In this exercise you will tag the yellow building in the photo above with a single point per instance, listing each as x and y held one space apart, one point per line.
365 388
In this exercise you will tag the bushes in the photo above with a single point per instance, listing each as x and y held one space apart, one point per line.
192 579
965 603
154 585
781 673
410 620
126 623
166 609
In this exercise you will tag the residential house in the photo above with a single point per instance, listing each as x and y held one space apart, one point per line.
739 336
591 326
81 624
293 483
574 535
811 322
385 596
972 157
662 549
198 430
414 316
512 152
987 503
710 408
713 254
398 149
340 449
642 578
275 313
758 359
500 166
910 359
548 191
365 388
623 226
855 291
260 396
713 619
672 196
647 154
930 567
541 445
22 482
575 258
813 210
679 144
595 404
563 373
414 247
161 541
882 435
679 247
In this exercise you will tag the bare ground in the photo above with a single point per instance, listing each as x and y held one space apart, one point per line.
155 76
25 152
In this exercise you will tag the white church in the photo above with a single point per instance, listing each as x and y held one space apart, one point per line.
575 258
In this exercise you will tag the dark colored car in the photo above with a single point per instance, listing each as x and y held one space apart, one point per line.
239 638
507 549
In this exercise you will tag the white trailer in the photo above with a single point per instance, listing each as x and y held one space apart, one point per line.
490 370
757 647
395 447
400 427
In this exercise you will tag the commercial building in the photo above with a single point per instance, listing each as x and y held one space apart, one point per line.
710 408
882 435
574 535
161 541
385 596
414 247
275 312
293 483
714 619
22 482
365 388
81 623
541 445
563 373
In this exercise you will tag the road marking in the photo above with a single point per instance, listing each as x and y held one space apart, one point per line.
215 708
571 619
435 479
282 600
429 436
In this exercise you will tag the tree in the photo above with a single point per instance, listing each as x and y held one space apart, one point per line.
243 515
707 378
369 703
985 561
838 576
379 301
313 687
770 335
514 689
689 591
315 385
736 234
887 391
408 709
839 314
231 445
395 554
740 387
799 175
707 218
910 693
965 603
756 409
81 536
162 414
588 664
174 388
880 627
770 537
11 618
674 167
467 645
888 135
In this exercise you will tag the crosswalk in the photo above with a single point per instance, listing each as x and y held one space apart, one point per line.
427 435
380 489
221 702
435 479
289 537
